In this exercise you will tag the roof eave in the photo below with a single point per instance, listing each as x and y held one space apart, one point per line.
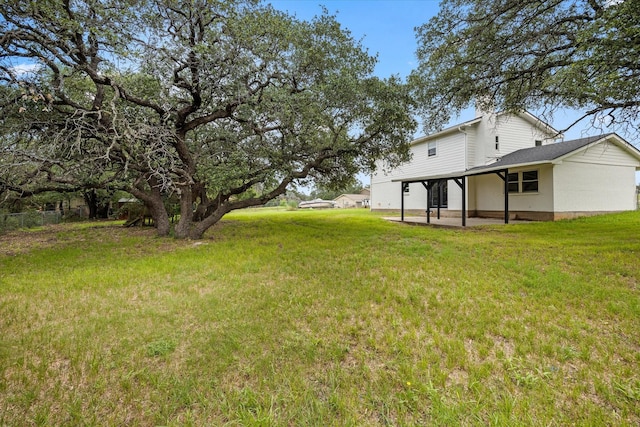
431 177
455 128
496 167
536 121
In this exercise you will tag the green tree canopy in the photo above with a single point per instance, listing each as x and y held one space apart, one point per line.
223 104
540 55
329 192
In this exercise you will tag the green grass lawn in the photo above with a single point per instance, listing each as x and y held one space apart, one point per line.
322 318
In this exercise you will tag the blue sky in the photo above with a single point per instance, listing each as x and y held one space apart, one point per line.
386 28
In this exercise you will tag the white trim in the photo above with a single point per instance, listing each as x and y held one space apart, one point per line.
445 131
527 116
537 122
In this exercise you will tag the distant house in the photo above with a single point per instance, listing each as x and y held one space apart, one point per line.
511 166
352 200
317 204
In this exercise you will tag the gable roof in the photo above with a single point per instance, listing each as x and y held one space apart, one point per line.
552 153
541 154
533 120
549 153
536 121
454 128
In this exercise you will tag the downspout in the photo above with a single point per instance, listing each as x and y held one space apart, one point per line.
466 166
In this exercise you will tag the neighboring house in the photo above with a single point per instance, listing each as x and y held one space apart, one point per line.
511 166
352 200
317 204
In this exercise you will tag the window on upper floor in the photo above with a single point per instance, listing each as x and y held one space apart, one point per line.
538 142
497 143
431 148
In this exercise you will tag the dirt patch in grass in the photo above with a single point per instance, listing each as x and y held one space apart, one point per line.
18 242
60 235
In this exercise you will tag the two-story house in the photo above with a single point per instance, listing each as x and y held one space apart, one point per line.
510 166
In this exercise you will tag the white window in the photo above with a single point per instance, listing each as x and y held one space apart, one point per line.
431 149
514 182
523 182
530 182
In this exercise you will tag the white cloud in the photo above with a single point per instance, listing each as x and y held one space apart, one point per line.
22 69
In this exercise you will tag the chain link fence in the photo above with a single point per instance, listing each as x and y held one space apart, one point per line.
14 221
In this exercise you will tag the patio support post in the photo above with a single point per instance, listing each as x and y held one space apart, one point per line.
462 183
439 195
403 187
506 196
426 186
504 175
464 201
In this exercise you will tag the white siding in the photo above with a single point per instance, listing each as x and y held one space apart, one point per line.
386 195
514 132
517 133
604 153
594 188
489 192
454 196
417 197
449 157
471 147
601 178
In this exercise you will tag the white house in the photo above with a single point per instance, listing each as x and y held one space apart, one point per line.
511 166
352 201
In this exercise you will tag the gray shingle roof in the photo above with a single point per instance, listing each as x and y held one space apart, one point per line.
526 156
544 153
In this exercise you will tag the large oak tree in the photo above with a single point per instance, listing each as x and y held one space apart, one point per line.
543 55
220 104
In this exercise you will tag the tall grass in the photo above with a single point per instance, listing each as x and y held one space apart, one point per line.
323 318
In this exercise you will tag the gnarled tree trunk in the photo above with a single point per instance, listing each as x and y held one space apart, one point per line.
153 201
186 213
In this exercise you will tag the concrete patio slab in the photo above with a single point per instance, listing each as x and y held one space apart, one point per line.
450 221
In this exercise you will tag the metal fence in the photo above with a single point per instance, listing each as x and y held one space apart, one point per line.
14 221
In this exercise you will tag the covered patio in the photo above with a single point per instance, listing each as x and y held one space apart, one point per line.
460 178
